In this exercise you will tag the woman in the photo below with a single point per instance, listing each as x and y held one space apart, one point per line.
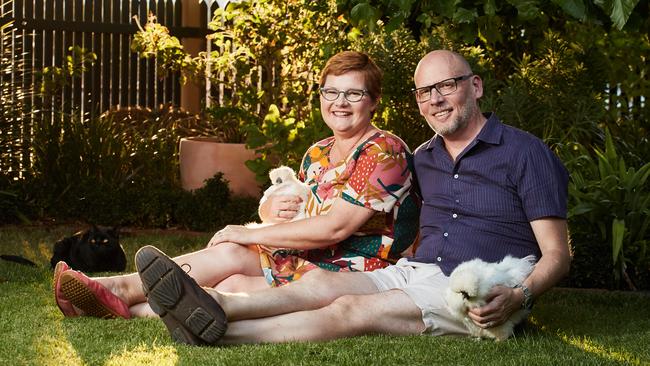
360 214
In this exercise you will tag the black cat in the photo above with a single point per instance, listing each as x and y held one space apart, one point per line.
96 249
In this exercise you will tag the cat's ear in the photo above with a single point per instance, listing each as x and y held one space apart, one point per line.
115 231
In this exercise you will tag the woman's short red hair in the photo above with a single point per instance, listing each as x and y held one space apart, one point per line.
347 61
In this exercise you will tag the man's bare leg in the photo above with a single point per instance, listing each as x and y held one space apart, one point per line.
316 289
390 312
337 304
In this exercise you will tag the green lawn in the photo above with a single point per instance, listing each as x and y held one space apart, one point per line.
567 326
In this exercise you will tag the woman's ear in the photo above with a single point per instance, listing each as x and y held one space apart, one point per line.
375 105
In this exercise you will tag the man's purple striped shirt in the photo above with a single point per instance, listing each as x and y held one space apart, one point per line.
481 205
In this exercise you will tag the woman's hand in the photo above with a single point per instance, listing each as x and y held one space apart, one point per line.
280 208
232 233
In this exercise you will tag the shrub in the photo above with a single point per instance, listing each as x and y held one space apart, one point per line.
591 265
547 95
114 169
397 54
212 206
15 117
615 202
12 208
283 139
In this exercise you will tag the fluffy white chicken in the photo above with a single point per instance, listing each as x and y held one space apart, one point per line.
284 182
470 282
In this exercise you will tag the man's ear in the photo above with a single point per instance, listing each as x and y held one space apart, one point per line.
477 84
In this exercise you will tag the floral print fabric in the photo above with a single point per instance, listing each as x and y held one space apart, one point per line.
376 175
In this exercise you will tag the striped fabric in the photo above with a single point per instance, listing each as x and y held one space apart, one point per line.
480 205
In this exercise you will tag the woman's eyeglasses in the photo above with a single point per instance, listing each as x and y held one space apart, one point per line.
351 95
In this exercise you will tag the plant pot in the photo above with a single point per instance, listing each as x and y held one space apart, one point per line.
202 157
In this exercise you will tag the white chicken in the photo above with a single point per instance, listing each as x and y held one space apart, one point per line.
470 282
284 182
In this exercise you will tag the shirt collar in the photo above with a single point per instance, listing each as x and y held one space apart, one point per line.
492 131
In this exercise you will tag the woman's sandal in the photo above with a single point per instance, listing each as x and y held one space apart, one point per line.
190 314
64 305
92 297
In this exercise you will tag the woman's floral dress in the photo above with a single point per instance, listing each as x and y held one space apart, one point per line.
376 175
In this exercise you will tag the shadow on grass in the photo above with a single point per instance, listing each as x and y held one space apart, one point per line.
614 326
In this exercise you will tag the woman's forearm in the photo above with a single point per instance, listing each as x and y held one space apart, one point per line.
321 231
311 233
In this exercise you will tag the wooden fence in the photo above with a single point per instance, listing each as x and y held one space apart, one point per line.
43 31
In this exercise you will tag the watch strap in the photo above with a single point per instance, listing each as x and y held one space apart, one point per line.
527 304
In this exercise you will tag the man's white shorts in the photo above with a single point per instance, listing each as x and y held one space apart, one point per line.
425 284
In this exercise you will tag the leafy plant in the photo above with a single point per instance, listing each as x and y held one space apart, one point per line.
615 199
547 95
269 60
54 78
154 41
397 54
271 52
282 139
485 19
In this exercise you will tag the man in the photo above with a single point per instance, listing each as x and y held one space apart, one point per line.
488 190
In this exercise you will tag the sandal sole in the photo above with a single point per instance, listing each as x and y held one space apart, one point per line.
189 313
79 295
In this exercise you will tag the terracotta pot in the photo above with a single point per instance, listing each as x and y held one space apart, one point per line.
202 157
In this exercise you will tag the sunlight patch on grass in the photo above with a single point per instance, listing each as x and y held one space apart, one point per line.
45 250
28 251
587 345
55 349
145 355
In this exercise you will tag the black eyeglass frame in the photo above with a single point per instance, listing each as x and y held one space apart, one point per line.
322 91
436 87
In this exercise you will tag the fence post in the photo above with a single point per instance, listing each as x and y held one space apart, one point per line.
191 93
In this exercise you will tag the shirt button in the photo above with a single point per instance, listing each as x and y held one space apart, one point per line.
439 259
445 235
455 176
454 215
457 201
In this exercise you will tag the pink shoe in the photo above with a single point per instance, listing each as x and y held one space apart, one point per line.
92 297
64 305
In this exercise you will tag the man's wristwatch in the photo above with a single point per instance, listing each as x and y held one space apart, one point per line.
527 304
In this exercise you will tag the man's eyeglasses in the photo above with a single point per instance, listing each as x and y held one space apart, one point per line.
352 95
444 87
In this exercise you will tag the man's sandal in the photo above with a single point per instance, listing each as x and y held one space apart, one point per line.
190 314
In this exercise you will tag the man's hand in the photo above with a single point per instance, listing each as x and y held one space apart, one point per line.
502 302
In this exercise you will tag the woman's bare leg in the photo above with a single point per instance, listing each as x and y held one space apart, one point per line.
208 267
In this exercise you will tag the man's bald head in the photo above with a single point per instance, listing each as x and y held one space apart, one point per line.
442 60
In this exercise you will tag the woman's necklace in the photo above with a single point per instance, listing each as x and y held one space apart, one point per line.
345 155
